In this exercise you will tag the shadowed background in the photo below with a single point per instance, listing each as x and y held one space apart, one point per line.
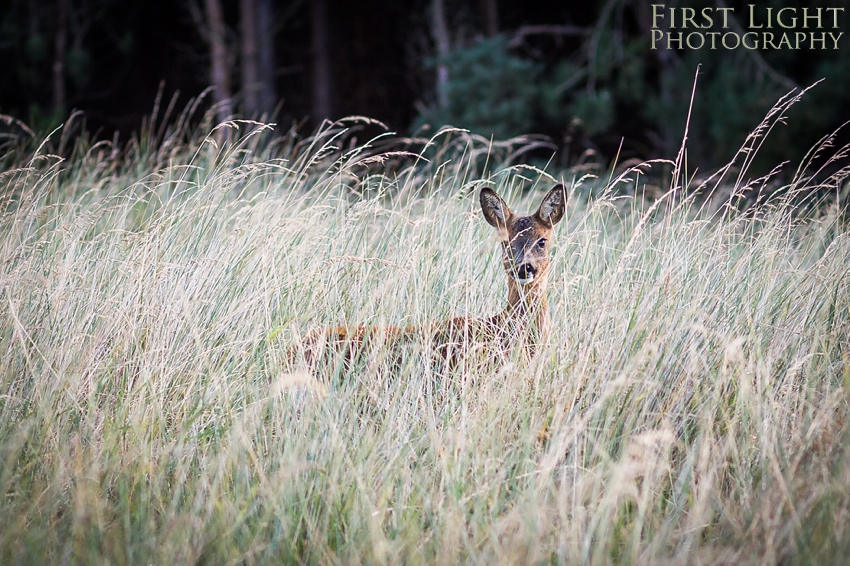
582 74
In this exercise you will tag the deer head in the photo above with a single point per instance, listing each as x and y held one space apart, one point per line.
525 239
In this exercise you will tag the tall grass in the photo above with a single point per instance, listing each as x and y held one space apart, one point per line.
690 405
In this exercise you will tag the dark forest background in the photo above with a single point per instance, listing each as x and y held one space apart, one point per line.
580 73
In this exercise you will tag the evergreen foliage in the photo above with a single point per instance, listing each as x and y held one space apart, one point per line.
616 86
490 90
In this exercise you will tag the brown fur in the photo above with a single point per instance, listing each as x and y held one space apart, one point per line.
525 241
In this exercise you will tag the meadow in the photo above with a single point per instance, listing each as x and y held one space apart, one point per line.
689 407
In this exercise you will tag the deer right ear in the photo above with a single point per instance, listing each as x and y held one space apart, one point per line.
496 212
553 206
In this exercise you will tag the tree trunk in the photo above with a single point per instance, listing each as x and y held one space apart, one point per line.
248 20
267 76
219 72
667 59
320 51
440 31
490 15
59 97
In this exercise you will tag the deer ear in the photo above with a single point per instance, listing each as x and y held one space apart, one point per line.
496 212
554 205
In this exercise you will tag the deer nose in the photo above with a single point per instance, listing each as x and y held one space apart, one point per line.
526 271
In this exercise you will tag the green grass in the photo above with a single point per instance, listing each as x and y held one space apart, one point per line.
690 405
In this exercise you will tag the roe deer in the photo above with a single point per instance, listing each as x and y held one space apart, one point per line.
525 241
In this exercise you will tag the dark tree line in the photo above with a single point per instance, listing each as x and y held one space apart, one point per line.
581 73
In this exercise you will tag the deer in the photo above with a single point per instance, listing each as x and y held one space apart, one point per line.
523 325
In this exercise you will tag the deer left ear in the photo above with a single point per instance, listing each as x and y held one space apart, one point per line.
496 212
554 205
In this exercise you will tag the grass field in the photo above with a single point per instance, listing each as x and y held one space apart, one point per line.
690 406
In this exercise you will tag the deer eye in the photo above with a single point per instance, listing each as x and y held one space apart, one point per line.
541 243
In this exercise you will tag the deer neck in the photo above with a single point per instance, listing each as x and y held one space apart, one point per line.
526 305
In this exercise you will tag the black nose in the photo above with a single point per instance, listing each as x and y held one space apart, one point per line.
526 271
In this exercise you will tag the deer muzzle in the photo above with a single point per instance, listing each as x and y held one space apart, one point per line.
524 273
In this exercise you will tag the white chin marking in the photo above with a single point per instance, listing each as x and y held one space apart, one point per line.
525 281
